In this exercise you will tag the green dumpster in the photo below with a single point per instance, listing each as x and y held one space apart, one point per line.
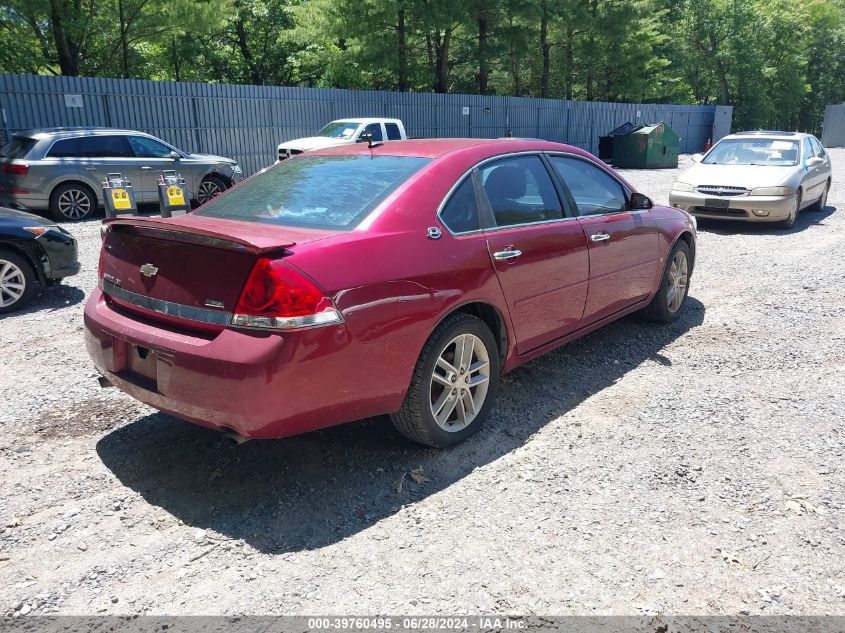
650 147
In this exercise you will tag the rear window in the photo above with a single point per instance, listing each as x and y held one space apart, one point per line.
335 192
18 147
393 133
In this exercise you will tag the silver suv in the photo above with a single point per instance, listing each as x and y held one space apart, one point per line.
62 169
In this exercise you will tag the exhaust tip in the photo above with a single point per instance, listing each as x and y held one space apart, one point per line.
105 383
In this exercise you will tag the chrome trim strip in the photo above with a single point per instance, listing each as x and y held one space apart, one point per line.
561 153
468 174
189 313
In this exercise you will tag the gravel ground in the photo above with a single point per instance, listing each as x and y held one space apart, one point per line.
689 469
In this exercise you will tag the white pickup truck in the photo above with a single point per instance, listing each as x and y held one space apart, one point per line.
345 132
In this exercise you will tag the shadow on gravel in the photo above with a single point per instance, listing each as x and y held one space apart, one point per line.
310 491
805 220
50 298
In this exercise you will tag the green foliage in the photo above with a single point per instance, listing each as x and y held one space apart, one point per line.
778 62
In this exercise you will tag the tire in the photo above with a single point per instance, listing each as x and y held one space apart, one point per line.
210 187
416 419
667 304
821 203
17 282
789 222
72 201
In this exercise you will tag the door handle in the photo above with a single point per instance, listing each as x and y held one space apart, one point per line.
600 237
504 255
146 167
91 168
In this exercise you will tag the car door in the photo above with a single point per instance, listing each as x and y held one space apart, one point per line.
100 155
813 176
539 254
824 169
153 158
623 244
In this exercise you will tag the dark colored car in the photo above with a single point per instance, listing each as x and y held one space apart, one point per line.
399 279
34 253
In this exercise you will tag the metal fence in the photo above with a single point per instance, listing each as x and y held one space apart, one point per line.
833 132
248 122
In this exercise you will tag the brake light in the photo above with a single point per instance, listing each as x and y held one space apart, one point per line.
279 298
16 169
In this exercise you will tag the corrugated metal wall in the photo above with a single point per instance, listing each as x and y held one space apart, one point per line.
833 132
248 122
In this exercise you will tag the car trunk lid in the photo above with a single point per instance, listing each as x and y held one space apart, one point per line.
188 271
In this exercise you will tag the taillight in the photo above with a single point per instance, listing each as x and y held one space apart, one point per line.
277 297
16 169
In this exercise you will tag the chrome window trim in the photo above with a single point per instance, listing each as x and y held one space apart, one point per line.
550 154
126 134
467 174
169 308
495 229
625 189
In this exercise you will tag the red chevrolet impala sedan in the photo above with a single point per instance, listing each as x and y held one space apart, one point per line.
398 279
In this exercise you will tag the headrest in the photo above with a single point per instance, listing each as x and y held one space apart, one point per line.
506 182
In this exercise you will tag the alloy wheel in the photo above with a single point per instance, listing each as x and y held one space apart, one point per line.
208 189
12 283
678 279
74 204
459 382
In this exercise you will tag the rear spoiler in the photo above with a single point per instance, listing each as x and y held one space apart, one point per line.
166 229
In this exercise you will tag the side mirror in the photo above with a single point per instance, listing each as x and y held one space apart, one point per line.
813 161
696 158
175 155
640 201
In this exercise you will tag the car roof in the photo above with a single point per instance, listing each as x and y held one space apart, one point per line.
359 121
434 148
773 134
54 132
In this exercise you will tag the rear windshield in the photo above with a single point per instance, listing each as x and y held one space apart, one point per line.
335 192
18 147
758 151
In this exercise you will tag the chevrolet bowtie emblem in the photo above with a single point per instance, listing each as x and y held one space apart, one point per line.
148 270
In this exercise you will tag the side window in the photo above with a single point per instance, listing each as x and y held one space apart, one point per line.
393 133
807 150
594 191
105 147
148 148
520 191
66 148
373 129
818 150
461 211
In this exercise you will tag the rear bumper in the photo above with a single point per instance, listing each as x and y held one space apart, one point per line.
261 385
769 208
